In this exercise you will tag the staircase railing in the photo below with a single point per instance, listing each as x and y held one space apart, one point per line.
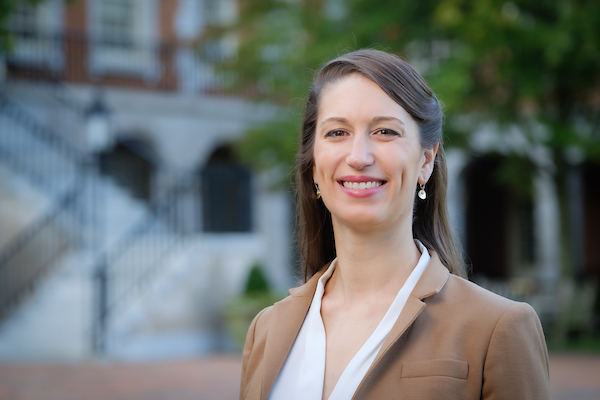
66 158
32 252
123 272
30 255
120 272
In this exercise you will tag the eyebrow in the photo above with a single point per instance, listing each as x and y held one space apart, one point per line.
379 119
333 119
375 119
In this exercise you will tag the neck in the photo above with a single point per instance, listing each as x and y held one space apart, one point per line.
372 263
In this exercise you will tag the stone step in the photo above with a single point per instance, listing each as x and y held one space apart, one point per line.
54 323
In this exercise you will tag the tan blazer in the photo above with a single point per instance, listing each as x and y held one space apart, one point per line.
453 340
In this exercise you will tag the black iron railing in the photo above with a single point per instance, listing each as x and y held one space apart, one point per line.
33 252
57 168
123 272
65 170
36 150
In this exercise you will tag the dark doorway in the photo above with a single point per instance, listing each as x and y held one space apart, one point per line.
487 219
500 217
226 194
130 164
591 219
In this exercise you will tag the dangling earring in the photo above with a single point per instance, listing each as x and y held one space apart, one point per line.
422 194
318 191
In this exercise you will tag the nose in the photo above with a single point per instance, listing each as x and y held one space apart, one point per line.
360 155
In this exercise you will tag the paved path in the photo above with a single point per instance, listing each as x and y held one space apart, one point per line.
572 378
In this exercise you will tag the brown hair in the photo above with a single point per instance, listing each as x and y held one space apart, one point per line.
407 88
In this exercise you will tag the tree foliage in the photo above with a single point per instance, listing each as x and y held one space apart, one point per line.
526 63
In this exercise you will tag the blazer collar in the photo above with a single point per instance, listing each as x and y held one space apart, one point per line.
431 282
433 279
289 315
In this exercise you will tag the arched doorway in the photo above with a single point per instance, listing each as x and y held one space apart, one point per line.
591 219
499 223
226 193
131 164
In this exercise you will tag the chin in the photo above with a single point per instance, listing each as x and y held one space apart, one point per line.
363 220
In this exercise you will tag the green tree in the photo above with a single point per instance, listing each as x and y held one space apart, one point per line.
509 62
530 64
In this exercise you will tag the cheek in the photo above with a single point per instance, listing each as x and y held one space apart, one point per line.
410 167
320 164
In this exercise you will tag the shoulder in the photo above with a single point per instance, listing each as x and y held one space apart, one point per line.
471 296
486 314
268 317
512 328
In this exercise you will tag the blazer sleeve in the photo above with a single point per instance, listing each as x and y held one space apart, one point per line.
516 364
249 366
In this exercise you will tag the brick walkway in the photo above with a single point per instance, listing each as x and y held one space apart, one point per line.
572 378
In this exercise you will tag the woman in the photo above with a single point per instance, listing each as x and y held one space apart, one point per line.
385 312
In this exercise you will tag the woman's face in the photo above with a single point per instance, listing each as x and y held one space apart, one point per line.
367 155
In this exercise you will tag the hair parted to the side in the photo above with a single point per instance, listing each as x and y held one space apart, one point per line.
407 88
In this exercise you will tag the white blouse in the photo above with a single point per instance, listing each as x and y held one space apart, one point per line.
303 373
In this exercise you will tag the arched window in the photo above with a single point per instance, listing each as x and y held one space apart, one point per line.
226 194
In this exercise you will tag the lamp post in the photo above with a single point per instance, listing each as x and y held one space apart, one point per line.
98 140
97 125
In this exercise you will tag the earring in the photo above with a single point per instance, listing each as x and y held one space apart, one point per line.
422 194
318 191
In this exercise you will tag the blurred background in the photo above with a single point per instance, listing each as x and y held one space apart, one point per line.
146 153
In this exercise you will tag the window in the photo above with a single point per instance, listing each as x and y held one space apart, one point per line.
37 30
220 12
116 23
123 38
24 22
196 66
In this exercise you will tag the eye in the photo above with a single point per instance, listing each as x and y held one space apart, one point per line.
387 132
335 133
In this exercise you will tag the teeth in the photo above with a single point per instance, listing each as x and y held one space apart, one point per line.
361 185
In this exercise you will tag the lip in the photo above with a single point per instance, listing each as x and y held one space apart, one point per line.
361 193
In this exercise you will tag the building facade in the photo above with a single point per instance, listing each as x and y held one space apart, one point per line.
131 221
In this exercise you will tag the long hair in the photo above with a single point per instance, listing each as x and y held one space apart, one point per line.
407 88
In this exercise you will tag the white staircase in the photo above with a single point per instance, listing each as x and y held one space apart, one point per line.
55 322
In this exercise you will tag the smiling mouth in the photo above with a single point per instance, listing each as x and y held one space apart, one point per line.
362 185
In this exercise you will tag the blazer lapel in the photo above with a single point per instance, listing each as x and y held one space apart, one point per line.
431 282
289 314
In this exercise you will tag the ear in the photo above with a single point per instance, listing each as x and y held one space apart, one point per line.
314 168
427 164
